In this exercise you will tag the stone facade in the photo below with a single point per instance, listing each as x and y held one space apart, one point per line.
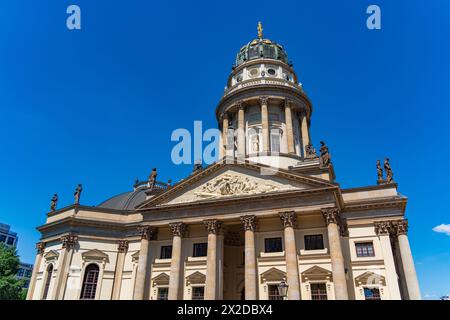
267 211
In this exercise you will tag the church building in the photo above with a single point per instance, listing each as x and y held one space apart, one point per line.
267 221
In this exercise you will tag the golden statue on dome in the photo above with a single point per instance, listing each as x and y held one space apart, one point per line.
260 30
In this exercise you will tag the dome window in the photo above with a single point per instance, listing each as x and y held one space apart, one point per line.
253 72
271 71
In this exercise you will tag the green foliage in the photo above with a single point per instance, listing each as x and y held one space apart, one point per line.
10 286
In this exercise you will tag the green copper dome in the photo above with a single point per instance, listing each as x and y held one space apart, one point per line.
261 48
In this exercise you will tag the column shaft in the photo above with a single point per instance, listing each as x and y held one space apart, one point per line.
122 250
142 269
265 124
305 133
241 132
289 129
64 260
289 221
408 267
213 228
250 258
37 265
224 145
178 230
337 259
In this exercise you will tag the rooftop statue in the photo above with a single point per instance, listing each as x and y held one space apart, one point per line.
388 169
54 202
77 193
152 178
325 158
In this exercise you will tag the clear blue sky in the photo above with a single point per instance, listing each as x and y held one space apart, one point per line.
98 106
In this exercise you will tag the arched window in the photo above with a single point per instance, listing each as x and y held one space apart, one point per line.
90 282
47 281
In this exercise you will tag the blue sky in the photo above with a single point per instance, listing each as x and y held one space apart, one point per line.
98 105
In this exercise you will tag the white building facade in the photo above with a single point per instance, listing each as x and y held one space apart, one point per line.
269 210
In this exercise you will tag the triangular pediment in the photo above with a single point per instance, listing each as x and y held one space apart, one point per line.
95 255
51 255
227 181
161 279
273 274
370 278
316 273
196 278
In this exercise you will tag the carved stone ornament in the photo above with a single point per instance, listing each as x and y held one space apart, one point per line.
383 227
40 247
263 99
331 215
400 227
343 228
249 223
310 151
69 241
288 219
178 229
213 226
122 245
233 185
147 232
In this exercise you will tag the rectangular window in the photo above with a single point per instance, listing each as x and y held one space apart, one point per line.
20 273
273 245
166 252
319 291
2 238
275 142
314 242
200 249
198 293
274 294
364 249
372 294
10 241
163 294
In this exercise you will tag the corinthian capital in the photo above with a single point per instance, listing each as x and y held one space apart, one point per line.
331 215
147 232
40 247
213 226
383 227
178 229
122 245
69 241
287 103
263 99
249 223
400 227
288 219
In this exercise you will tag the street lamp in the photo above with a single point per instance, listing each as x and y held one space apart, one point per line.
282 289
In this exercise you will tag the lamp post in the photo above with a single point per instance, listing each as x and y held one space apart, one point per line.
282 289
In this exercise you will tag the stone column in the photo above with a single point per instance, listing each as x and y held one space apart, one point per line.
251 282
265 123
40 247
64 260
213 227
409 270
147 233
289 129
122 248
331 216
289 221
178 230
305 132
382 229
224 145
241 131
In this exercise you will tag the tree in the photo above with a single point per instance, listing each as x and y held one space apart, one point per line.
10 286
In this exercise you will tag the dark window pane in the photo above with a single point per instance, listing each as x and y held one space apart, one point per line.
10 241
319 291
2 238
364 249
372 294
166 252
90 282
163 293
314 242
198 293
273 245
200 249
47 281
274 294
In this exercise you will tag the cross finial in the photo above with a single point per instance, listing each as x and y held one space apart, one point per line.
260 30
